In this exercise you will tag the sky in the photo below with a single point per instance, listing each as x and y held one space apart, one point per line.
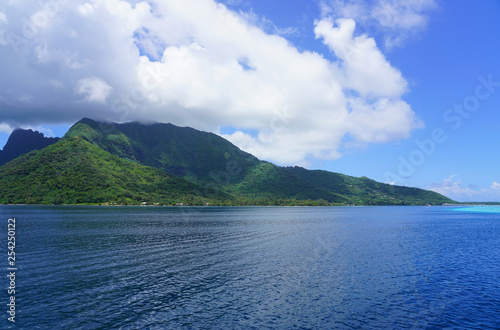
406 93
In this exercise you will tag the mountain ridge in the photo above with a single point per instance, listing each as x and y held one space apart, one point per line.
22 141
212 164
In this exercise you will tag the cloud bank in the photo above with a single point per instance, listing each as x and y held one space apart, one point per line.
453 188
199 65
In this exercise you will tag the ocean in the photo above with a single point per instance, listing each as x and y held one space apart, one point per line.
79 267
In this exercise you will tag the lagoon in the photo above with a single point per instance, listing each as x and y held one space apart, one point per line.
253 267
479 209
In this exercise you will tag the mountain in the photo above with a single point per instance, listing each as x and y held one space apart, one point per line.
165 163
75 171
299 183
22 141
197 156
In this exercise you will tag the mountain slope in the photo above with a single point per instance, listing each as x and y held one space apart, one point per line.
76 171
208 159
181 151
298 183
23 141
270 180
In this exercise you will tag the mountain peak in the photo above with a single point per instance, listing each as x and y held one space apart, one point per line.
22 141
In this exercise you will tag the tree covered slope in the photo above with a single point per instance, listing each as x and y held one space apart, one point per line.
75 171
101 162
180 151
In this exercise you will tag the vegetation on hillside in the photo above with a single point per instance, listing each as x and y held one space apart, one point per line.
166 165
74 171
197 156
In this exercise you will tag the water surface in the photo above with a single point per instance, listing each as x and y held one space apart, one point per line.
480 209
254 267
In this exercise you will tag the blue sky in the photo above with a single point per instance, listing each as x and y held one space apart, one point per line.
401 92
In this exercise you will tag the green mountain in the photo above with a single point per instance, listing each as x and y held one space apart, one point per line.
181 151
101 162
75 171
299 183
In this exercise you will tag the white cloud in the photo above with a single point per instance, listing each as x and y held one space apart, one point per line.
204 66
6 128
70 59
93 89
495 185
453 188
47 132
267 25
86 9
395 21
3 20
383 121
365 68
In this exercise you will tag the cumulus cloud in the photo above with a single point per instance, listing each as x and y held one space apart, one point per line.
204 66
93 89
454 188
393 20
365 68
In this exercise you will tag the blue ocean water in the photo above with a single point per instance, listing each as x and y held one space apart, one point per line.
252 268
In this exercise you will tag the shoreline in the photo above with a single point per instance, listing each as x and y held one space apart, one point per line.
209 206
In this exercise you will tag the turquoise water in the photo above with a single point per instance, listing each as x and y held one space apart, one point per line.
253 268
481 209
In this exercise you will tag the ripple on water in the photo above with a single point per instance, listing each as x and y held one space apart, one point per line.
258 268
